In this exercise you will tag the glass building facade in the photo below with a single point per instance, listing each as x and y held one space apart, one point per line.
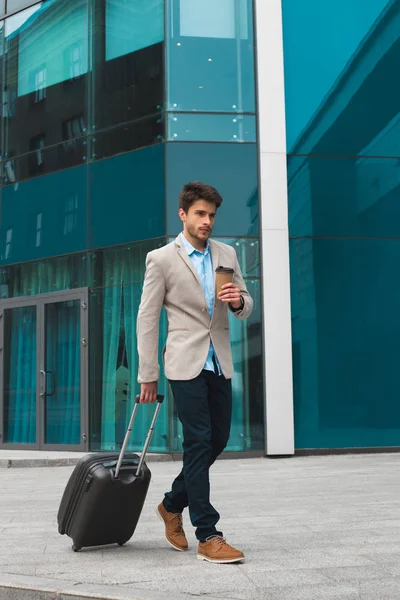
109 107
291 110
343 145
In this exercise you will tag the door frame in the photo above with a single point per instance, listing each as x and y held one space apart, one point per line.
40 301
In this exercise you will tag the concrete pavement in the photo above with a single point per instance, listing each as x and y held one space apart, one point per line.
311 528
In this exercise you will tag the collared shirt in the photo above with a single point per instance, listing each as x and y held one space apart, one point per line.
202 263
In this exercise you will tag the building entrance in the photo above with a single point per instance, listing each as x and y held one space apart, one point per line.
44 371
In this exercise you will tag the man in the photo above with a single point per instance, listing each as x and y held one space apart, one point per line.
197 360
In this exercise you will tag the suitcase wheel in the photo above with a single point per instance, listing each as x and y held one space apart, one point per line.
75 548
121 543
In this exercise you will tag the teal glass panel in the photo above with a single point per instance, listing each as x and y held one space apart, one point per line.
183 127
46 69
231 168
62 385
131 26
127 197
346 348
128 60
113 354
357 196
44 276
210 56
54 217
247 429
341 64
19 376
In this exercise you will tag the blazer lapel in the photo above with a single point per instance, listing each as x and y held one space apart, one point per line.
184 255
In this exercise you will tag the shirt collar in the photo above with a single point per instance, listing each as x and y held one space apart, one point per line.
190 249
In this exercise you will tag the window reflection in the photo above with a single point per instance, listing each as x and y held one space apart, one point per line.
46 66
210 54
128 59
341 76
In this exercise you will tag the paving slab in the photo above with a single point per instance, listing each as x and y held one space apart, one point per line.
311 528
35 458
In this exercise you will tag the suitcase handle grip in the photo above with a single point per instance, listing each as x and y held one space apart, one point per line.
160 399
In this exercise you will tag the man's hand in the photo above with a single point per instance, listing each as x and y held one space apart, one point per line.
230 293
148 393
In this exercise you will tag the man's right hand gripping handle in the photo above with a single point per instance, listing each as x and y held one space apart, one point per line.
148 393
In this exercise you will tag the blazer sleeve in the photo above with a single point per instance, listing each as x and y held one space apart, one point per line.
148 320
248 300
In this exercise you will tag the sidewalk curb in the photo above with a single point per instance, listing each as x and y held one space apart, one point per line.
8 463
37 588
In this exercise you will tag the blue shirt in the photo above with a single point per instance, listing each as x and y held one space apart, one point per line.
202 263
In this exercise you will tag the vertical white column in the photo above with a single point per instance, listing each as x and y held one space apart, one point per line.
274 229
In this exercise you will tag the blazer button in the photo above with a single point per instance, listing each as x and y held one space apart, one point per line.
203 310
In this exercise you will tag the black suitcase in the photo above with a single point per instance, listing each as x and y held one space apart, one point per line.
105 494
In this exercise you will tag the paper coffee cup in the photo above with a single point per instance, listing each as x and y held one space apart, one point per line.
223 275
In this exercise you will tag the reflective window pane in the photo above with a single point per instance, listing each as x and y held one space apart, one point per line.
210 53
346 342
357 196
231 168
44 276
113 358
19 376
127 201
205 128
61 383
132 136
44 160
54 209
46 71
341 76
128 78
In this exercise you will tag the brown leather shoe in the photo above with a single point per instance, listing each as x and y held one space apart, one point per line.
173 528
216 550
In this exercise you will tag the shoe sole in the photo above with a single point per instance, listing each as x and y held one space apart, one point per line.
220 562
170 543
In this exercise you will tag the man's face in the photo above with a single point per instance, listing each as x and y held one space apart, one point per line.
199 220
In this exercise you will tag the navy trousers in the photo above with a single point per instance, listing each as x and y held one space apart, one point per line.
204 407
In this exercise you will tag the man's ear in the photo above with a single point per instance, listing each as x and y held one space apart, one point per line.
182 215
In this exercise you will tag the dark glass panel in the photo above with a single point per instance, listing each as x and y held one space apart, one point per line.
128 137
128 60
46 71
54 216
127 197
231 168
357 196
44 160
346 349
341 76
210 55
44 276
205 128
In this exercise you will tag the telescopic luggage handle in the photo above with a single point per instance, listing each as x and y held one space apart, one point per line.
160 400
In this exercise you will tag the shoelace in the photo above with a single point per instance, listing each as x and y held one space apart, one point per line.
177 520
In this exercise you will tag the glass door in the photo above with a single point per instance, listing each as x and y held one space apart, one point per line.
43 371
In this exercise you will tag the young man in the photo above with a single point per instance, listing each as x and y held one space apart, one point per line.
197 359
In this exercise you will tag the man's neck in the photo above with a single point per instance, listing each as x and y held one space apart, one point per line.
197 244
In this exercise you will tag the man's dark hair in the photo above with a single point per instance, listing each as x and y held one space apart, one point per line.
194 191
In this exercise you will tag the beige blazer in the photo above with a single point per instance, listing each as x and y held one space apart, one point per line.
171 281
